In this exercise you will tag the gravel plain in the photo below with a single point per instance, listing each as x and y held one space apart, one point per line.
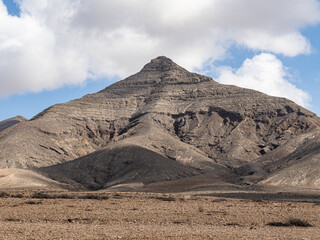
65 215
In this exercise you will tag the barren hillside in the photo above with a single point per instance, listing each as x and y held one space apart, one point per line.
165 123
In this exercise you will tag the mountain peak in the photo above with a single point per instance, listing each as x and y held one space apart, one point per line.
161 70
162 64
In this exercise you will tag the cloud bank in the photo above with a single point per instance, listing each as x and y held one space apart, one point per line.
264 73
65 42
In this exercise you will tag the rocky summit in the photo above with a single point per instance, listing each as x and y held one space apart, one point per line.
165 126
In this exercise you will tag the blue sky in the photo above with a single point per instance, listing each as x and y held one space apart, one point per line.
55 53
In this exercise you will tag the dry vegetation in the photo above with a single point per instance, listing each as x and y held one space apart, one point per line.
101 215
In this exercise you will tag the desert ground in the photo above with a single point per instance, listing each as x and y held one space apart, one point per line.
119 215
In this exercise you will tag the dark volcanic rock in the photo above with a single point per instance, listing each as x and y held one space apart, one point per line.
184 117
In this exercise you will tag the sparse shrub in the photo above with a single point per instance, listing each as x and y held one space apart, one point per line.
84 220
12 220
4 194
42 195
167 199
178 222
117 196
277 224
94 196
201 209
298 223
32 202
233 224
290 223
219 200
19 195
65 196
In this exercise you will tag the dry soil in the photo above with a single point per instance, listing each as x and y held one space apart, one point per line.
65 215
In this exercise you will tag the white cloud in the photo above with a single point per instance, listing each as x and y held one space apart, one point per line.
264 73
291 44
63 42
30 61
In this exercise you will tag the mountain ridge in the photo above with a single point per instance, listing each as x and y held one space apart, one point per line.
186 118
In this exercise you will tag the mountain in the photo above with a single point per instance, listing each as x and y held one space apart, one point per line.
165 123
10 122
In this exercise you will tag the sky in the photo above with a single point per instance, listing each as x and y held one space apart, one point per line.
58 50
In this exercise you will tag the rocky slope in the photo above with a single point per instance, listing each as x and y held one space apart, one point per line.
24 179
295 163
11 121
169 121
